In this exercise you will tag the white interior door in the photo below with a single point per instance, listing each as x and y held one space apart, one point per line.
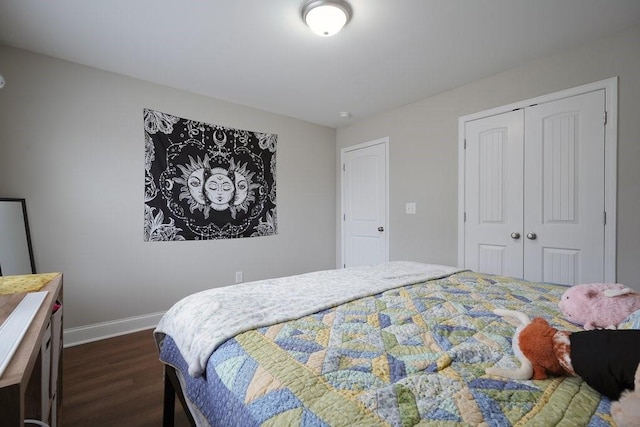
493 194
364 202
564 200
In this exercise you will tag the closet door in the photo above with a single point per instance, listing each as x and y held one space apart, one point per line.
494 194
564 190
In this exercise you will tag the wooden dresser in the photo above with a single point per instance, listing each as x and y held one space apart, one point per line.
31 385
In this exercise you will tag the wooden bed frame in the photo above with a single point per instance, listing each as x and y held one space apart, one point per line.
172 388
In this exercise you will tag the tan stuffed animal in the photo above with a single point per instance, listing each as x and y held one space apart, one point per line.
626 411
533 344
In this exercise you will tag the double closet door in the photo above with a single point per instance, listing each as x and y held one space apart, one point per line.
534 196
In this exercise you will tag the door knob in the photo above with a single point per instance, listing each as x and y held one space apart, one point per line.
515 235
380 228
531 236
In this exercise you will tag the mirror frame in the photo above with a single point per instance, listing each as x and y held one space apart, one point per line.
23 203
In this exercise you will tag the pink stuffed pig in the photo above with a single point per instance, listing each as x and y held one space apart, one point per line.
599 305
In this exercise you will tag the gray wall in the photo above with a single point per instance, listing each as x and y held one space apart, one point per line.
424 147
72 144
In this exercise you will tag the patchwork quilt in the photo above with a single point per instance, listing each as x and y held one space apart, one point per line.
411 355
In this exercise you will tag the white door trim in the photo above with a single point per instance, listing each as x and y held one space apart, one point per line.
611 165
385 142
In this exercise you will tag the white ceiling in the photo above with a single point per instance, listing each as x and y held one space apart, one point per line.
259 53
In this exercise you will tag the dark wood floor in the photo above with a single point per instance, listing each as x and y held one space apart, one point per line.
115 382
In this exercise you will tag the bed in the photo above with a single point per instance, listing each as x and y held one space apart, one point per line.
397 344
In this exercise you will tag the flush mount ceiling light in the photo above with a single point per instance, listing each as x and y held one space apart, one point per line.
326 17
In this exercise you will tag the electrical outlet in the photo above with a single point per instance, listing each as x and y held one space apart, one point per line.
239 278
410 208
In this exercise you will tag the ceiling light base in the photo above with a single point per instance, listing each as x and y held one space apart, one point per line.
326 17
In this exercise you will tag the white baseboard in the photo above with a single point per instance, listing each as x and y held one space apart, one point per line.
100 331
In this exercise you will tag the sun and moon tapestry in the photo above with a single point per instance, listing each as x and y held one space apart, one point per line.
205 181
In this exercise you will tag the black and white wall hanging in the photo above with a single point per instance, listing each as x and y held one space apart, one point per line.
205 181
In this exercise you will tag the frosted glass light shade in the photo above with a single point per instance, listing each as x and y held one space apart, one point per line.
326 18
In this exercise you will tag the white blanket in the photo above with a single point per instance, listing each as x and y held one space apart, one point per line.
201 322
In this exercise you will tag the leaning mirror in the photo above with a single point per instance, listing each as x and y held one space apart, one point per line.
16 254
